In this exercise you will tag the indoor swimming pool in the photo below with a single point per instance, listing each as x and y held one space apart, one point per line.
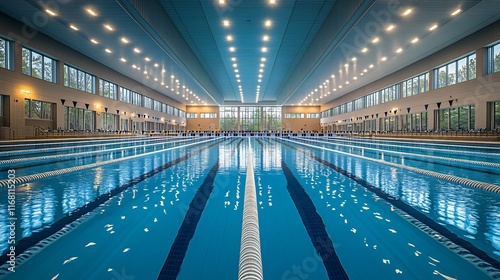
172 208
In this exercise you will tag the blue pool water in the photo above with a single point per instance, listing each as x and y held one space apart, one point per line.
171 208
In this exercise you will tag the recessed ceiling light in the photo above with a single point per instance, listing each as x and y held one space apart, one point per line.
237 75
347 82
261 70
232 49
108 50
414 40
94 41
354 59
222 2
364 50
229 38
265 38
399 50
156 65
236 70
235 65
233 58
333 76
137 50
91 12
147 58
109 27
225 23
390 27
263 59
383 58
125 40
456 12
259 80
145 72
260 75
73 27
262 65
340 86
50 12
268 23
433 27
134 66
407 12
123 59
239 81
375 40
371 66
346 65
264 49
272 2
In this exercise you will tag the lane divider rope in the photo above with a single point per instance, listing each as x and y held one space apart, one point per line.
250 265
460 180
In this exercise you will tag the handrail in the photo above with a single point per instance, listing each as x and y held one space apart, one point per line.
250 265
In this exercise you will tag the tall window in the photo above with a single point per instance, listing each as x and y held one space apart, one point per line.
415 85
131 97
191 115
148 102
414 122
228 118
494 58
250 118
313 116
77 119
496 115
78 79
109 121
38 66
457 71
271 118
456 118
389 93
5 57
34 109
107 89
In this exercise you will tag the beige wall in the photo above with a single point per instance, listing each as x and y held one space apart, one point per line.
479 91
13 82
199 124
304 124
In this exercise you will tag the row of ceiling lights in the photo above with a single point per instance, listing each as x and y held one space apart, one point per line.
265 38
327 87
174 86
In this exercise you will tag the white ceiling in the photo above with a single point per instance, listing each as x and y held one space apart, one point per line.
308 42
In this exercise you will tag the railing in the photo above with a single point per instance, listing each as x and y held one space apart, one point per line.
40 131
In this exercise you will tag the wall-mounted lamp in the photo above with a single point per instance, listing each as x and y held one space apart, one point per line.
27 92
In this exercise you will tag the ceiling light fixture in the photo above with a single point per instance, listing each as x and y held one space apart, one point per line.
109 27
123 59
375 40
225 23
137 50
229 38
414 40
407 12
91 12
125 40
108 50
433 27
390 27
94 41
399 50
364 50
268 23
50 12
73 27
456 12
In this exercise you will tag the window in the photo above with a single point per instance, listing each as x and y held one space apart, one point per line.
271 118
131 97
415 85
250 118
191 115
494 58
496 115
456 118
157 105
34 109
457 71
313 116
77 119
228 118
5 54
1 105
389 93
78 79
38 66
148 102
294 116
109 121
208 115
107 89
